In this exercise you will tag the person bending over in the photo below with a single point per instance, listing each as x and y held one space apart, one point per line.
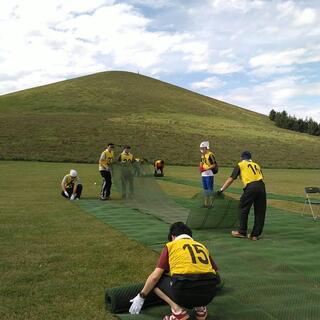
185 277
254 193
70 185
158 168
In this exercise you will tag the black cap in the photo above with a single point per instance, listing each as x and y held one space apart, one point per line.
127 147
246 155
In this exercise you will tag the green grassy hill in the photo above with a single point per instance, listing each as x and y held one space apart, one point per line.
73 120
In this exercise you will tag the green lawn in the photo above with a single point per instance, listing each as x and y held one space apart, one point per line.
57 260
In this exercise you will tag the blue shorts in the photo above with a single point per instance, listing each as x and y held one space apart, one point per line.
208 183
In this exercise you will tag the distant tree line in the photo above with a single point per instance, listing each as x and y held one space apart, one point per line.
283 120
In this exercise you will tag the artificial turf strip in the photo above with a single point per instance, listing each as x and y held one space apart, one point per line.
148 196
143 228
270 196
276 277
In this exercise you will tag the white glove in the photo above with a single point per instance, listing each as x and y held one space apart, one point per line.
66 193
72 197
137 304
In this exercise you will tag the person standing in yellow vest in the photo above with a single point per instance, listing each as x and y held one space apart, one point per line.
71 186
105 162
208 168
185 277
254 193
126 160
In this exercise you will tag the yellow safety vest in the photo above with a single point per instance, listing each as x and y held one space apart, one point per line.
249 172
69 181
126 157
187 256
205 160
106 159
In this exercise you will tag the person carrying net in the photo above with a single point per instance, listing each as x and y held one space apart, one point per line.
126 160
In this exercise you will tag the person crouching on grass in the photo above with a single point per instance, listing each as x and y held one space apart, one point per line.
185 277
158 168
71 187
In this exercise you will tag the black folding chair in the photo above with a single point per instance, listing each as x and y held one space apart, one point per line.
312 201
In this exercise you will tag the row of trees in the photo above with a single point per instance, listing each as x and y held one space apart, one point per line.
283 120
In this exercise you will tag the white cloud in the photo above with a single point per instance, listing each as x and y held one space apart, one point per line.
279 94
299 16
36 78
301 111
282 62
224 68
271 30
217 68
208 83
153 3
235 5
228 53
63 38
269 48
305 17
283 58
310 89
195 53
286 8
313 32
265 71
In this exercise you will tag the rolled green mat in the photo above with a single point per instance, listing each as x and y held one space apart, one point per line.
220 286
118 299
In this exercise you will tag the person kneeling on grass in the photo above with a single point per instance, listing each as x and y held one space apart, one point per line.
158 168
71 187
185 277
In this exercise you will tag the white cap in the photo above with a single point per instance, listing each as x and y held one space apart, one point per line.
204 144
73 173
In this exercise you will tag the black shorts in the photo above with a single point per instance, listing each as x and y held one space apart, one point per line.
189 291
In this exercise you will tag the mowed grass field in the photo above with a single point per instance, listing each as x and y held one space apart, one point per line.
57 261
73 120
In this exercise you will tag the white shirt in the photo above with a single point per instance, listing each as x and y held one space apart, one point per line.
183 236
207 173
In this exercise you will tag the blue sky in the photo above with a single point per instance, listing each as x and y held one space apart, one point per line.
258 54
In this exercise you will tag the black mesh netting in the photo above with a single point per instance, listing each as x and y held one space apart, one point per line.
142 192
